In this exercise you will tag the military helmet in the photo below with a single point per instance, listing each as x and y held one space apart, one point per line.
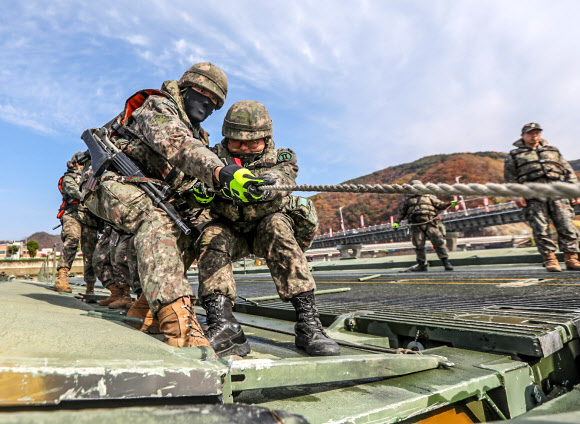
80 157
247 120
208 77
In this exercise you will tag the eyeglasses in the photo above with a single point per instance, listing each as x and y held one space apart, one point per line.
250 144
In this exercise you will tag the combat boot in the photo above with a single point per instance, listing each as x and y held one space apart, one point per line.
61 283
115 294
124 301
551 262
224 332
90 290
571 260
420 267
310 335
178 323
140 309
446 264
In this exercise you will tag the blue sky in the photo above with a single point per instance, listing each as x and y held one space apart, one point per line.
352 86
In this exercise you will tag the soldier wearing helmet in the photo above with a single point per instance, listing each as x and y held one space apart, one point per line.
534 160
160 130
421 213
78 225
278 228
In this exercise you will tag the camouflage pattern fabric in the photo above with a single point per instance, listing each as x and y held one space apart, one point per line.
209 77
102 258
279 164
247 120
304 219
170 139
420 232
421 208
542 164
111 259
71 192
157 239
134 281
120 259
523 165
71 234
272 238
538 213
168 148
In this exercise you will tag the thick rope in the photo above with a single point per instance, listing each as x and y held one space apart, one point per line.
556 190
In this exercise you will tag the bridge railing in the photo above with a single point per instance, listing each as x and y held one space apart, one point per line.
500 207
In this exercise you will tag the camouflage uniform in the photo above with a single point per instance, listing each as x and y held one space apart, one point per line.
544 164
111 261
102 258
78 224
421 212
279 229
169 148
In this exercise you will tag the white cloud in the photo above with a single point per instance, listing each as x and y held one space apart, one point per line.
374 83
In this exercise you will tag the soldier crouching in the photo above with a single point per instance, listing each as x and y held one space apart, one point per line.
163 137
279 227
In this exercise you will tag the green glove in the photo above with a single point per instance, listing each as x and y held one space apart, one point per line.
395 225
239 183
202 193
454 203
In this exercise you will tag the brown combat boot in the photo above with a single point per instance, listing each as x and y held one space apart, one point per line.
551 262
61 283
124 301
571 260
140 309
178 323
115 294
90 290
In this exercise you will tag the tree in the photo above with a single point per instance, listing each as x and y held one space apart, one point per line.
12 250
32 246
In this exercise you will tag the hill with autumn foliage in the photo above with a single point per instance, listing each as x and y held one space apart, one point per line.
480 167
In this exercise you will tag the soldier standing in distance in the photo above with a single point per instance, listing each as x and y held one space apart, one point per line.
421 212
164 138
78 224
535 161
279 228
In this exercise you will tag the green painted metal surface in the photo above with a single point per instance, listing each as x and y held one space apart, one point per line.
52 351
394 399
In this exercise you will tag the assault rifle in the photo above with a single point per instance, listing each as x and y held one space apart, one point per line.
105 154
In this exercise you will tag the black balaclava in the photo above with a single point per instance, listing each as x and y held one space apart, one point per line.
197 106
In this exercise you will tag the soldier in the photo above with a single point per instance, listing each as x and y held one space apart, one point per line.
535 161
160 131
421 213
112 267
78 224
278 229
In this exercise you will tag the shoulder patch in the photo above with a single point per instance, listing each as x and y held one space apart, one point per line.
286 156
171 105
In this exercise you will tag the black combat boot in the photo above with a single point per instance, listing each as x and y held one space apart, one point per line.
224 332
446 264
309 333
420 267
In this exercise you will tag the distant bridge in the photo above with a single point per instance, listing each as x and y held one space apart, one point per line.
502 213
